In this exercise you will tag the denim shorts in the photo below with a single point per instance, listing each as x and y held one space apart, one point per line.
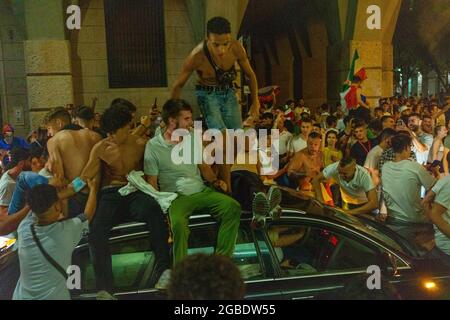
220 109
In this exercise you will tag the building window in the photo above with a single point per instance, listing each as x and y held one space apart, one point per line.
135 43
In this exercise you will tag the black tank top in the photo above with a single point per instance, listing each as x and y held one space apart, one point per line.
223 77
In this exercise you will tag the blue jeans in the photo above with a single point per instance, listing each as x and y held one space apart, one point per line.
220 109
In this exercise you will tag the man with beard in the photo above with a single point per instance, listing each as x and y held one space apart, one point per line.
414 124
186 179
64 160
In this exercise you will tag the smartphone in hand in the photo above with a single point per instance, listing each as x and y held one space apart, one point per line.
78 184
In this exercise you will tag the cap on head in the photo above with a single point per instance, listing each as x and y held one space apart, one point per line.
8 128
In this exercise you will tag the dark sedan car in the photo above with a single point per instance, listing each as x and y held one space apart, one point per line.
298 256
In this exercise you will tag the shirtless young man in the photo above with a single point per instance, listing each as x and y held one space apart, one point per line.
116 156
69 150
214 61
304 166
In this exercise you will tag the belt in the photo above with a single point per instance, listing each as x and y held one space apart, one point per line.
213 88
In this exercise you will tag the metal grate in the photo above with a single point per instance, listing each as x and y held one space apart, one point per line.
135 43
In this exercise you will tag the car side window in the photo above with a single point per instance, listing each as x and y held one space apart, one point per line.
305 249
132 263
203 239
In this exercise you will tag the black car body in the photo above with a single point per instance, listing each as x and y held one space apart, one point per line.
334 249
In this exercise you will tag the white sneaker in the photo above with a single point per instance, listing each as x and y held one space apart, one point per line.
104 295
164 280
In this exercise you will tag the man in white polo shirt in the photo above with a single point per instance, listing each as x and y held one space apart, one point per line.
357 189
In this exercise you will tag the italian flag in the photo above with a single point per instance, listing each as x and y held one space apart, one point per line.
348 94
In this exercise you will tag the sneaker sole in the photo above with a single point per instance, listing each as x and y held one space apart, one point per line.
260 206
274 196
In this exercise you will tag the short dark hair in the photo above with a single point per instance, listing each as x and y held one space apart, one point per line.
37 151
206 277
387 133
315 135
218 25
115 118
307 119
330 120
414 115
358 123
400 142
58 113
125 103
41 198
17 155
83 112
346 161
172 109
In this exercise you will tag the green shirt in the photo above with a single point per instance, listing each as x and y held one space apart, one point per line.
158 161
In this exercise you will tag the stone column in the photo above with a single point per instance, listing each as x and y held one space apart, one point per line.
374 46
47 58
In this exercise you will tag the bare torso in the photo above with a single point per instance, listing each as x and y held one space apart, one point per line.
73 147
119 160
205 71
305 167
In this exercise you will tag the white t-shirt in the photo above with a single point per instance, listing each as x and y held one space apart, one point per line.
296 144
39 280
373 157
7 186
283 141
442 190
354 191
401 183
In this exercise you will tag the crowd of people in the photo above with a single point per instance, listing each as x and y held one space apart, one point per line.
82 171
